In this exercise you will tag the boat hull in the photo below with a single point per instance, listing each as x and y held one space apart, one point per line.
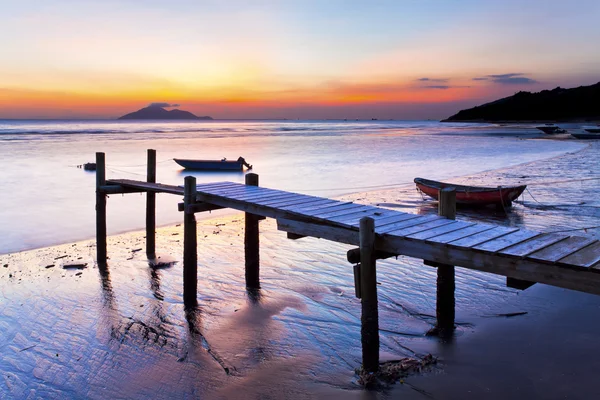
210 165
589 135
551 130
472 195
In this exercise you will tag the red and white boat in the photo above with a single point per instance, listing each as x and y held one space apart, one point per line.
473 195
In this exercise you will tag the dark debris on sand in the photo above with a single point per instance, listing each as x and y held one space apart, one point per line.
391 372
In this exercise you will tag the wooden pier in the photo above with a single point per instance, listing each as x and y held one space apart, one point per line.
523 256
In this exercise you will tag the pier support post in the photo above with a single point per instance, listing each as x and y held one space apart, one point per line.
190 244
251 242
445 273
151 207
369 330
100 209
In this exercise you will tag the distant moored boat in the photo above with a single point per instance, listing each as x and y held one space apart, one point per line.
213 165
588 134
592 129
473 195
551 129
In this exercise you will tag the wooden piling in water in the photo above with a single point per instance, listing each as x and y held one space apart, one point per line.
251 242
445 312
369 330
100 209
190 244
151 207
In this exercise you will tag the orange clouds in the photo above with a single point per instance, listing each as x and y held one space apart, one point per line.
29 103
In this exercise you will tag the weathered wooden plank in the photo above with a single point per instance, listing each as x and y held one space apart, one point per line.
364 211
534 244
245 206
405 224
275 199
250 195
461 233
398 216
505 241
219 189
301 199
350 219
339 207
237 191
441 230
351 208
216 185
153 187
586 257
561 249
322 204
421 227
482 237
514 267
118 189
303 228
260 198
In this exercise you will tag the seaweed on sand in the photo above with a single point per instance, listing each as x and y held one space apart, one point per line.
391 372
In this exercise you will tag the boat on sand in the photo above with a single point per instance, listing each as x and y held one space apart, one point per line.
551 129
473 195
213 165
588 134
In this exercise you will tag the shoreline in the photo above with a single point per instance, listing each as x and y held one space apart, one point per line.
207 216
125 333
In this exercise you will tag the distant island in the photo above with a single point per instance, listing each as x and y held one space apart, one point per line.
157 112
577 104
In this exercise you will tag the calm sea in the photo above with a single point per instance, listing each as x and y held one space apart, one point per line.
46 199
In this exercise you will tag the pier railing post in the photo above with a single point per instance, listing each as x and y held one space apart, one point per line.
445 273
151 207
190 244
251 242
100 209
369 330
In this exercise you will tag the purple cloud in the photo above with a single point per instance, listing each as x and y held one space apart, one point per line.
441 80
513 78
163 105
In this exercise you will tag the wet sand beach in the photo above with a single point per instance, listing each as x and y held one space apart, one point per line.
70 330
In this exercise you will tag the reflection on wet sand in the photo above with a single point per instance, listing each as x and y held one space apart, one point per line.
122 332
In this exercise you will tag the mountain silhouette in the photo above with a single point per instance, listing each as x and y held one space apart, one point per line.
156 112
580 103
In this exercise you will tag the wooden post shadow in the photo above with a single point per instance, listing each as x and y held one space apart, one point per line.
251 242
190 244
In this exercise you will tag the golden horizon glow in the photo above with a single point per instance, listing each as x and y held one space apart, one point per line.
101 60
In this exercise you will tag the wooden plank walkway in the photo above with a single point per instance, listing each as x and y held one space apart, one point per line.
566 261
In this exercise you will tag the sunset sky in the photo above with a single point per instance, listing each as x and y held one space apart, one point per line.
288 59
